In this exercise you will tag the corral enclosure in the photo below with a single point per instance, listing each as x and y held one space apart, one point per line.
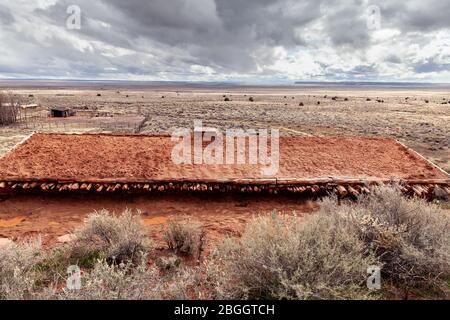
101 162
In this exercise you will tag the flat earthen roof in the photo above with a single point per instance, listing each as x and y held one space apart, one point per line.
140 158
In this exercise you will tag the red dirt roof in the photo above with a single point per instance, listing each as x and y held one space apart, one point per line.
138 158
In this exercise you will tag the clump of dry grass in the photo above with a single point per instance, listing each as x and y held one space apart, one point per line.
124 281
284 257
186 237
185 284
18 276
168 264
115 238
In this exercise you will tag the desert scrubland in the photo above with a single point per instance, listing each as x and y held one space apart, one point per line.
185 229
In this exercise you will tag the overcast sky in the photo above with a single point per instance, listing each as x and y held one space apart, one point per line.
227 40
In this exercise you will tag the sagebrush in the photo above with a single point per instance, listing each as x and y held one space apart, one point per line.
18 275
185 237
286 257
410 236
116 239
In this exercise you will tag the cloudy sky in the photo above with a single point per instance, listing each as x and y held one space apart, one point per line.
226 40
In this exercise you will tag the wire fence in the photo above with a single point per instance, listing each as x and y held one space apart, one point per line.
66 126
39 120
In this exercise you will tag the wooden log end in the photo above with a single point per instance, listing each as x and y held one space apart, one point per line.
342 191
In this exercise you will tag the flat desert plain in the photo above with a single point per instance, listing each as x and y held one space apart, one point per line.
419 117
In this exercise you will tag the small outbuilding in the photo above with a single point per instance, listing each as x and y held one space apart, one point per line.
29 106
61 112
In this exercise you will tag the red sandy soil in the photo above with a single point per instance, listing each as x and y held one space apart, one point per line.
51 216
136 158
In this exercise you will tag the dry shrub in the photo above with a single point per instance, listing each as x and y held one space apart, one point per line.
186 237
185 284
409 236
124 281
168 264
283 257
17 273
128 281
114 238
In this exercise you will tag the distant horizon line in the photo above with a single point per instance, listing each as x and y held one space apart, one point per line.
233 82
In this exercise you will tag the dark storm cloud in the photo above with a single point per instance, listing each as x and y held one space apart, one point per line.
393 59
368 72
416 15
346 24
221 34
431 66
230 37
363 70
6 17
